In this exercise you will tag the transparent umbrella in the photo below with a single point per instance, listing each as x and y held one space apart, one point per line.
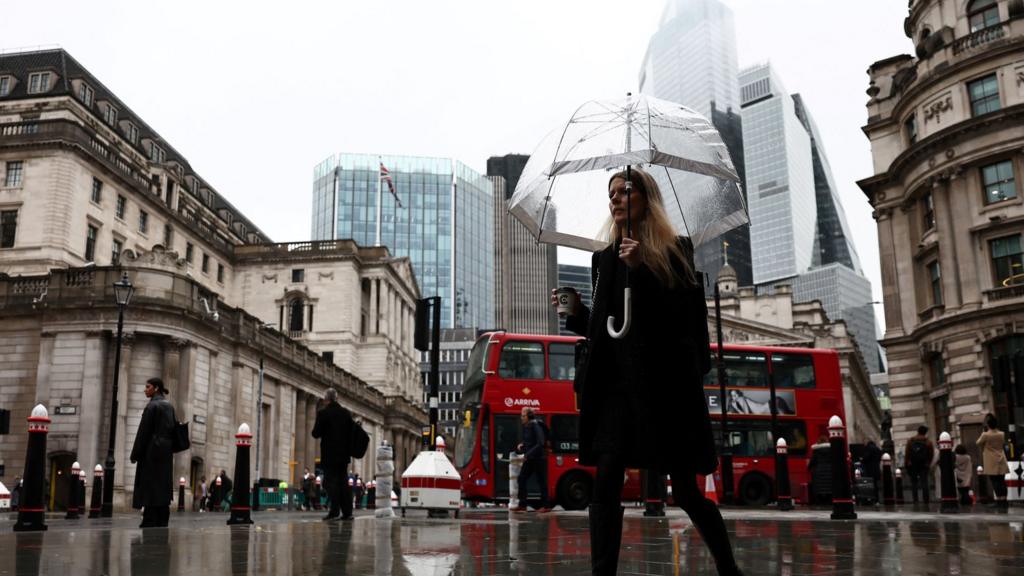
562 193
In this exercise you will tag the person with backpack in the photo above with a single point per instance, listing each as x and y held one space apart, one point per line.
334 427
534 464
918 458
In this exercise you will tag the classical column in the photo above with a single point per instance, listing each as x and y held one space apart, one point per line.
121 448
312 446
952 297
179 397
92 414
374 309
301 434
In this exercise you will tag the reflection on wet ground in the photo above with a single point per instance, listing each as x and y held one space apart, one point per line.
488 542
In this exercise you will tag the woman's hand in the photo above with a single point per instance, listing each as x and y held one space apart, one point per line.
629 252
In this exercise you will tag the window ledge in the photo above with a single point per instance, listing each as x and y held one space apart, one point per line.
931 313
1001 204
12 188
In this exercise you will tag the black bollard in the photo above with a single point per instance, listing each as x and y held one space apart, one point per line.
31 513
181 494
240 509
950 503
784 500
72 512
96 506
81 492
887 495
981 494
842 501
899 486
654 493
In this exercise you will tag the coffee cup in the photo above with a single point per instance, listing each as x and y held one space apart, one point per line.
566 300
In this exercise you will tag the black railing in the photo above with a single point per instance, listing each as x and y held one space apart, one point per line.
980 37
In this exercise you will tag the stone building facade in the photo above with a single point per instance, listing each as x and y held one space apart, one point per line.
947 129
87 191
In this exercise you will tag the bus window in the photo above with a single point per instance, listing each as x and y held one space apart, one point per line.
522 361
565 433
741 369
465 435
561 361
753 438
793 370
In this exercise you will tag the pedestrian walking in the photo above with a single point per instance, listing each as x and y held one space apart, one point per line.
333 427
204 497
871 461
307 489
641 394
820 467
918 458
993 460
225 490
964 470
357 491
534 459
154 455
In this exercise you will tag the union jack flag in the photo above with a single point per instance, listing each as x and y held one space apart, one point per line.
386 176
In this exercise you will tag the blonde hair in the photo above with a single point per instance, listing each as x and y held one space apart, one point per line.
658 240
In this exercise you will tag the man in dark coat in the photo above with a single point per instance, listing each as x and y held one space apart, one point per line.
333 427
532 449
153 452
872 462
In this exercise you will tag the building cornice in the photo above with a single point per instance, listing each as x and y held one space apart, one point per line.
939 142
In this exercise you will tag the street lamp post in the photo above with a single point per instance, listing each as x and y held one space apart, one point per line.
123 290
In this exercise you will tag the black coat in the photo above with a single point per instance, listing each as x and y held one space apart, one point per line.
152 451
670 353
333 427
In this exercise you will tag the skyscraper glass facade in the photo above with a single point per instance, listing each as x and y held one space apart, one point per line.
845 295
780 178
691 59
443 225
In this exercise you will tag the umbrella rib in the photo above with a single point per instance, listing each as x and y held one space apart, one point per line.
675 195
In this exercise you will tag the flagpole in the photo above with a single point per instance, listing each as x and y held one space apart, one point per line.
380 161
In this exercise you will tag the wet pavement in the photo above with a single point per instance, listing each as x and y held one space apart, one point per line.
488 542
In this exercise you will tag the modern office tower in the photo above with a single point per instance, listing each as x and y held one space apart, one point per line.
455 347
691 59
577 277
509 166
833 242
525 270
780 178
734 245
443 224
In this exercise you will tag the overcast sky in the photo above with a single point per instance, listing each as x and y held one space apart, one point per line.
255 93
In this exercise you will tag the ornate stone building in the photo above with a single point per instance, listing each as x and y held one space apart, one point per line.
88 191
947 130
774 319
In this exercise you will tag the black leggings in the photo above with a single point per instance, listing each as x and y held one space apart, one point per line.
703 512
998 483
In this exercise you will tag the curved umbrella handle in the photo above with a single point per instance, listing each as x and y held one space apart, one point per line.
626 317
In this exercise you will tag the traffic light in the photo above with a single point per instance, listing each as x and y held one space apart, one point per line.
421 338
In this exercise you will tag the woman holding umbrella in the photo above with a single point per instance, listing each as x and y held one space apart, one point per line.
642 401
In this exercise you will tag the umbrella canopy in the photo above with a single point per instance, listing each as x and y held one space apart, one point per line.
562 193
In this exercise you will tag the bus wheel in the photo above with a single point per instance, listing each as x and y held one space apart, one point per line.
574 491
756 489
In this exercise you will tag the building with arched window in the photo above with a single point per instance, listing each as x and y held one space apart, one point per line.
947 132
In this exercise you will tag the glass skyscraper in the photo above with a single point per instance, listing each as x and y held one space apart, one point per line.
691 59
780 178
443 225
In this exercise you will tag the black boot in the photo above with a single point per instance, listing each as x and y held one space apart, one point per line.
708 520
605 538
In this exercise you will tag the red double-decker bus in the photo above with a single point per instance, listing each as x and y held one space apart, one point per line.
809 391
507 372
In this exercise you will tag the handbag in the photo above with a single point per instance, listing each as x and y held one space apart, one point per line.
180 441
